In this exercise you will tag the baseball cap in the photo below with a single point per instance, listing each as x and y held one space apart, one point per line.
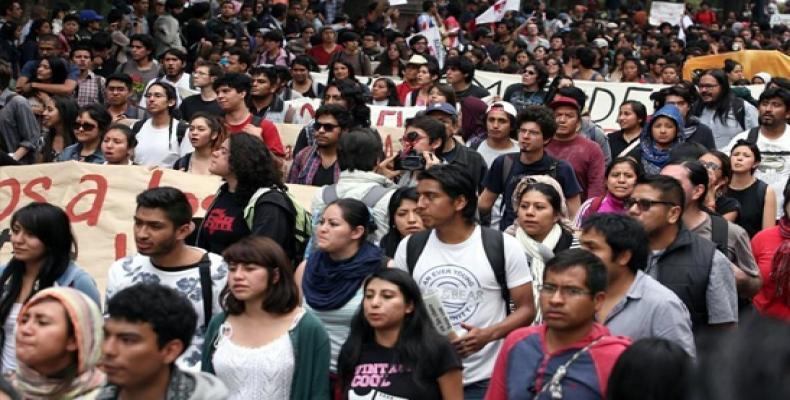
600 42
90 15
560 101
612 25
417 60
505 106
446 108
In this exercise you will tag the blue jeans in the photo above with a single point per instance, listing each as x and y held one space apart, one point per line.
476 391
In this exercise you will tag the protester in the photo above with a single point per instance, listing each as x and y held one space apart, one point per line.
719 176
142 66
60 115
263 332
659 137
757 199
19 129
118 145
404 219
206 134
160 139
725 114
264 102
318 165
651 365
771 251
530 90
384 93
118 89
453 152
392 330
682 96
631 118
621 177
92 122
58 345
302 82
44 253
206 101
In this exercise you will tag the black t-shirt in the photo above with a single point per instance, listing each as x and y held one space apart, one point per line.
472 90
324 176
617 143
375 374
564 175
194 103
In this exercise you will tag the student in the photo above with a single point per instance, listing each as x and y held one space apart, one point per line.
535 360
318 165
632 118
719 176
58 345
621 177
263 332
92 122
659 137
116 94
331 278
252 201
118 145
44 253
206 134
772 251
404 219
654 366
393 331
206 101
757 199
160 139
162 221
19 129
90 86
141 63
147 327
427 74
60 114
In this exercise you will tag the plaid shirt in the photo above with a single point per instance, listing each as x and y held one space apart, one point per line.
305 166
88 90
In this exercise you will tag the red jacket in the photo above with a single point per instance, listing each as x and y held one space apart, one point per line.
269 134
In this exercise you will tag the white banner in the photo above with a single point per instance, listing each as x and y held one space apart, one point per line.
379 115
780 19
662 11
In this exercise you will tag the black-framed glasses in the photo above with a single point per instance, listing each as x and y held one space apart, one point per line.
566 291
707 86
327 127
411 137
85 126
645 204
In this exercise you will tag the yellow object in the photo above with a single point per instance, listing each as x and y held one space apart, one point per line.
773 62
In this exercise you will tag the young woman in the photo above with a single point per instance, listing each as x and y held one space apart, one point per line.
616 71
58 345
44 250
340 69
392 330
757 199
404 219
206 133
60 114
264 345
771 249
632 118
553 67
118 145
384 93
506 64
522 58
52 70
621 177
426 75
331 278
540 225
719 176
302 82
632 71
391 62
157 137
734 70
253 197
654 365
670 75
664 132
92 121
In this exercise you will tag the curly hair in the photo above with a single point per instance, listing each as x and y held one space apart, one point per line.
541 115
253 165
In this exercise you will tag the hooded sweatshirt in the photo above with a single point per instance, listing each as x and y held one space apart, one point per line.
653 158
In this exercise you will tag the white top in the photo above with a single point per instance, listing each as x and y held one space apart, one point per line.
489 155
465 283
9 345
337 324
264 372
159 146
182 86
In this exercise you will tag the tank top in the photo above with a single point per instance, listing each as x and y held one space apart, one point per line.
752 200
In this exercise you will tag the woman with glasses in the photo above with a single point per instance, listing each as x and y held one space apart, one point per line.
206 133
530 90
719 176
92 122
553 67
160 140
621 177
757 198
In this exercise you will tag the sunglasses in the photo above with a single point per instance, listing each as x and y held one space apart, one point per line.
411 137
645 204
85 126
711 166
530 72
327 127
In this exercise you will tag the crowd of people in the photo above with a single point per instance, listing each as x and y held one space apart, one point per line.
510 249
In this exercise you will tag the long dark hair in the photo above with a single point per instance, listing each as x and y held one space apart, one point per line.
60 70
419 344
331 70
725 100
389 243
254 166
68 111
51 226
392 98
385 64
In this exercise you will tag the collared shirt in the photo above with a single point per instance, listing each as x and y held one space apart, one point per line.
18 125
649 309
89 89
73 153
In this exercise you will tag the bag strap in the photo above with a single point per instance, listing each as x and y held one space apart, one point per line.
596 204
414 247
373 195
553 385
753 134
204 268
494 246
629 148
719 232
329 194
507 166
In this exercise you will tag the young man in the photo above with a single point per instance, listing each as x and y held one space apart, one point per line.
586 65
148 327
569 343
734 243
532 38
142 67
48 46
536 127
410 81
683 261
116 94
773 139
162 222
226 21
353 54
719 108
264 100
206 101
424 137
19 129
453 152
583 154
90 87
274 54
589 129
451 261
239 61
232 90
138 20
324 51
636 305
173 62
317 165
459 74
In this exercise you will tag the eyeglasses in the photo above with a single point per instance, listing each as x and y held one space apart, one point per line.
85 126
411 137
710 165
530 72
645 204
327 127
549 290
707 86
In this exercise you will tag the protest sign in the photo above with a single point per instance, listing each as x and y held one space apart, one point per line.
663 11
100 202
496 12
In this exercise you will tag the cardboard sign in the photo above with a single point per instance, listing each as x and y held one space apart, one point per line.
663 11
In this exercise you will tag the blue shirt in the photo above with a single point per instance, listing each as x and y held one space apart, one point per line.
73 153
29 70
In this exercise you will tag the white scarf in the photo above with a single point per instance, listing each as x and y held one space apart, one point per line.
537 254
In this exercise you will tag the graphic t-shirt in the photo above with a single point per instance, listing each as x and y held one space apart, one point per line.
377 376
465 283
223 224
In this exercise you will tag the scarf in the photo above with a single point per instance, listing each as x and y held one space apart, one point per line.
87 321
653 158
537 254
328 284
780 271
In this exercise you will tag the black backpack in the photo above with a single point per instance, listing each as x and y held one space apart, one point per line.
181 129
752 138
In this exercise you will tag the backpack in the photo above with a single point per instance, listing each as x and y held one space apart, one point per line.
493 244
752 138
507 168
204 269
303 228
719 231
181 129
370 199
739 109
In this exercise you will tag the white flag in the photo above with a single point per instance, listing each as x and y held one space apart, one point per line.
496 12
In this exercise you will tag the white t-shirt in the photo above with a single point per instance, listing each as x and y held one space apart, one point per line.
135 269
463 278
183 88
9 344
489 155
159 146
773 169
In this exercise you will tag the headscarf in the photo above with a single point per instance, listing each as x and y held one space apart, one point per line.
85 317
653 158
766 77
329 285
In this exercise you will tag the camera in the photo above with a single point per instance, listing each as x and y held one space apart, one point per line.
411 161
